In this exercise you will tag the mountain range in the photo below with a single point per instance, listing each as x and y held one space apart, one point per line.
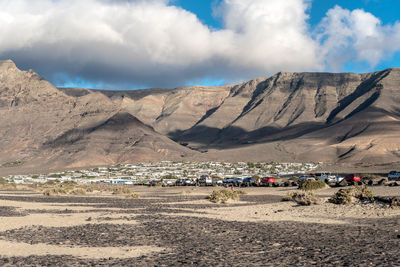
335 118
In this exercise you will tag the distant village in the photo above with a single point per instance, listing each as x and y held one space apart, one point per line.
146 172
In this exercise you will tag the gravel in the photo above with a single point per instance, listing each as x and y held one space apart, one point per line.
210 242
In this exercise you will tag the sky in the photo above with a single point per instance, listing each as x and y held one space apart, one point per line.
132 44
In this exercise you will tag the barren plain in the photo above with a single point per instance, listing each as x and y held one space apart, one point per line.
178 226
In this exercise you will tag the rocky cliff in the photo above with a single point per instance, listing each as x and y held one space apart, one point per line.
337 118
43 127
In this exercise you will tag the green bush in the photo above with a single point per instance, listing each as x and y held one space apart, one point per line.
224 195
349 195
312 185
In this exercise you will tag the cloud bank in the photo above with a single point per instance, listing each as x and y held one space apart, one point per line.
346 35
126 44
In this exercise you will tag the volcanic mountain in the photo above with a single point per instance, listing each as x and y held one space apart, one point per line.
41 127
321 117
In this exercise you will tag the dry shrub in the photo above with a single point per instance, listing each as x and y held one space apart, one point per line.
90 188
54 191
122 190
133 195
391 201
51 182
383 181
306 198
288 196
349 195
8 187
310 185
77 191
395 202
224 195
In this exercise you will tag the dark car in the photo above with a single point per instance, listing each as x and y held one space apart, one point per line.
352 178
249 181
228 181
238 181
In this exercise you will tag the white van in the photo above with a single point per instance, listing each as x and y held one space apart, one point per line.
394 176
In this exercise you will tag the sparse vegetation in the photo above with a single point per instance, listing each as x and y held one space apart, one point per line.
305 198
369 176
13 164
51 182
349 195
395 202
3 181
224 195
73 188
133 195
288 196
169 177
55 175
77 191
122 190
55 191
312 185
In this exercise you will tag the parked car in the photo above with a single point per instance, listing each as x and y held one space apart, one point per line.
352 178
217 182
394 176
168 182
238 181
326 177
249 181
338 178
205 179
154 182
188 182
304 178
179 181
268 180
228 180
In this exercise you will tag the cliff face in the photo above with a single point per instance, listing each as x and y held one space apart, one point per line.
352 118
330 117
44 127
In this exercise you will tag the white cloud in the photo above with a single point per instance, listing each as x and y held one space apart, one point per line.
356 35
153 43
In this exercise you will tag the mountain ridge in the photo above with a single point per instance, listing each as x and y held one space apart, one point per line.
337 118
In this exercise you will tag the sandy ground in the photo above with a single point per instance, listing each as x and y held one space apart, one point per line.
325 213
111 229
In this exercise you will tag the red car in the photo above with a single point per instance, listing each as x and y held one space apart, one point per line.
352 178
268 180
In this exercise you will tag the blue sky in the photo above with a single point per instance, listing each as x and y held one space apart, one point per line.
388 11
130 44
